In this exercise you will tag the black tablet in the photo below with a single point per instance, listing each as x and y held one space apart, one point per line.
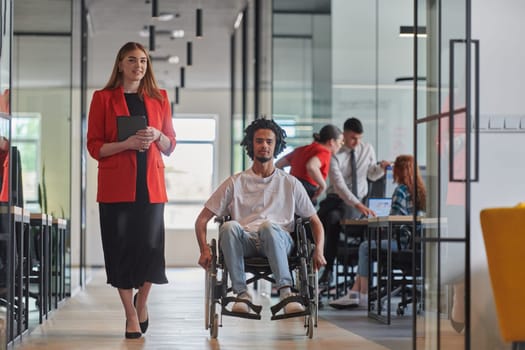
129 125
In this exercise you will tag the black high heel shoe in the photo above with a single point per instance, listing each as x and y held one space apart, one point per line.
131 335
143 325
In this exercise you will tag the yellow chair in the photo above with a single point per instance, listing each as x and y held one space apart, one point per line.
504 236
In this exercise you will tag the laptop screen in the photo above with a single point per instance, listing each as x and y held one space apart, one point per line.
381 206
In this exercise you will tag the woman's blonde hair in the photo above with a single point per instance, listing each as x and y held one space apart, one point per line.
404 175
148 85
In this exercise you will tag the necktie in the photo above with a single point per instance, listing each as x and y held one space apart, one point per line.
354 172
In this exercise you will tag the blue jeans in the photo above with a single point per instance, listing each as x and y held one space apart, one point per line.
271 241
362 261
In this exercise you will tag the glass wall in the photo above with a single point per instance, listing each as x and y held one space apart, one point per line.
250 54
41 104
5 237
42 98
373 72
238 42
443 116
6 256
302 78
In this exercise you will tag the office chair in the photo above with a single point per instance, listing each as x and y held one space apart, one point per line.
348 247
406 277
504 241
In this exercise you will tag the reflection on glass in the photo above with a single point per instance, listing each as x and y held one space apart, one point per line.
26 136
238 118
4 168
4 225
4 101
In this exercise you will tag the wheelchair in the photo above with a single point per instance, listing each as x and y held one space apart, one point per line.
218 291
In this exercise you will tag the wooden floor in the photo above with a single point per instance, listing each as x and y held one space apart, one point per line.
93 319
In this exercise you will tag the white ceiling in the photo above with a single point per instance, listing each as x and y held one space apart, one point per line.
115 22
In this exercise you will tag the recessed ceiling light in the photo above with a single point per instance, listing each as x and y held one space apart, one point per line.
173 59
179 33
144 32
166 16
238 20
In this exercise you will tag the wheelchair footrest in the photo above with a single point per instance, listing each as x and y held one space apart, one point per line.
226 312
295 314
280 305
255 308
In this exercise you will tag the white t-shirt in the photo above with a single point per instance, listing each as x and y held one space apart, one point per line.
251 200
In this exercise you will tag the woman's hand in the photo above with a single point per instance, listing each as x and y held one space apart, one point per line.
147 137
320 189
137 142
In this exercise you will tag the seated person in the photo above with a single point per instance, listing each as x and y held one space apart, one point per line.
403 203
262 202
310 163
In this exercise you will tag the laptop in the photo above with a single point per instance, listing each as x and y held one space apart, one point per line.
381 206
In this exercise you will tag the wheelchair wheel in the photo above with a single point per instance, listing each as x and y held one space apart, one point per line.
214 330
207 298
313 292
310 327
211 316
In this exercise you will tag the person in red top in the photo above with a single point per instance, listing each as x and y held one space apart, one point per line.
310 163
131 187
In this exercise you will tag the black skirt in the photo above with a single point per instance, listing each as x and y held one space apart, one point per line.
133 243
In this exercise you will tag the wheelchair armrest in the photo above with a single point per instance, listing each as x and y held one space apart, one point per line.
302 221
222 219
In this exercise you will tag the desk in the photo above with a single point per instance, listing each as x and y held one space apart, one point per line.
381 228
16 272
14 245
26 267
354 233
58 257
41 224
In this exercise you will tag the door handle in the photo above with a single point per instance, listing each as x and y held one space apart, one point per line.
455 143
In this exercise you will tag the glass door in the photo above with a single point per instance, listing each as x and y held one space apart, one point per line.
446 147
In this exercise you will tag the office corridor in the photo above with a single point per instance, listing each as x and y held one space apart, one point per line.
93 319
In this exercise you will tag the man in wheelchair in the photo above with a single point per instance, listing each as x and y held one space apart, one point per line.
262 202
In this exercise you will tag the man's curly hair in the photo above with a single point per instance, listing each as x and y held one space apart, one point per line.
262 123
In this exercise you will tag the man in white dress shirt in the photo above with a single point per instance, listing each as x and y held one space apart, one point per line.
345 194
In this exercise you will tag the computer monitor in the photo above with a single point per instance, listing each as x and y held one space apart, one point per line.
380 206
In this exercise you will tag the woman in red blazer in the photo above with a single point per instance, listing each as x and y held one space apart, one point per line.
131 187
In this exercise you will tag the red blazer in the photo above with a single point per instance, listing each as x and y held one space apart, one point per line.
4 168
117 174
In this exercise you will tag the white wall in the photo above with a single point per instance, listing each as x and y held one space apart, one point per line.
501 185
500 30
